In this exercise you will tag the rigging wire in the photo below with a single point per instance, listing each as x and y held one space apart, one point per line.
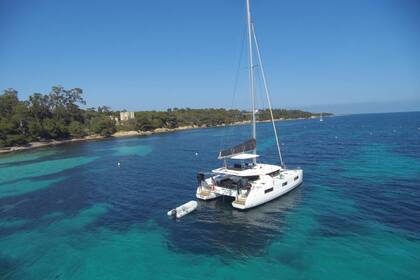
267 93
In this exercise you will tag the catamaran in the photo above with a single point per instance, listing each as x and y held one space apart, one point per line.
251 183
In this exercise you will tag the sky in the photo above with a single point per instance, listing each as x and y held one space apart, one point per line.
327 55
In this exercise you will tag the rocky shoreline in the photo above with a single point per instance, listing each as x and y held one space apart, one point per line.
35 145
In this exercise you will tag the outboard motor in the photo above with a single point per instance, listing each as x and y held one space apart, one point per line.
200 178
239 186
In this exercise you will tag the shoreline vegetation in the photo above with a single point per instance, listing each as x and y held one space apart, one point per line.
56 118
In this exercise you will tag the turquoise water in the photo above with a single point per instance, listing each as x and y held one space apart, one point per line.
70 212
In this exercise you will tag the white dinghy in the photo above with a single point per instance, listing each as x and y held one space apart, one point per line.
183 210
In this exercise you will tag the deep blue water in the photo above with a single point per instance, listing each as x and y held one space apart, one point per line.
70 212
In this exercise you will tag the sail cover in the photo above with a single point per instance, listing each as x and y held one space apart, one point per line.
248 145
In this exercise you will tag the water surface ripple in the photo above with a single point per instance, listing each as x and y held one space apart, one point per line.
70 212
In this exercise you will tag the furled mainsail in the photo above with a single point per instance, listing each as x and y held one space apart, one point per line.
248 145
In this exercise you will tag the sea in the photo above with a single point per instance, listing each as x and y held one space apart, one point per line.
71 212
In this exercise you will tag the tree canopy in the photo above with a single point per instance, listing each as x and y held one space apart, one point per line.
57 115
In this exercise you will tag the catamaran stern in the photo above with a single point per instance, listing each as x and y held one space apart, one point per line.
268 189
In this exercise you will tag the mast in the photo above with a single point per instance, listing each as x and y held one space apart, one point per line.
251 74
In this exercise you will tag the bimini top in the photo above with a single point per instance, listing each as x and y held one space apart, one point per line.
244 156
248 171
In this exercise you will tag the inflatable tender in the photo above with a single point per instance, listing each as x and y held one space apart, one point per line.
183 210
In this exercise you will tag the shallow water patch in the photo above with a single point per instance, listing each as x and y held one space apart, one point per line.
27 156
83 218
18 173
26 186
377 163
139 150
42 251
11 223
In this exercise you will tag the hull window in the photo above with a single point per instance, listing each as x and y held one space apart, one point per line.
297 177
268 190
284 184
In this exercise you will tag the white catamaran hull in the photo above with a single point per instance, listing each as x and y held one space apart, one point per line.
261 194
263 190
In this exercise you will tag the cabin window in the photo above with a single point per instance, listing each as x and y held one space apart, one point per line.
252 178
284 184
268 190
274 174
297 177
237 166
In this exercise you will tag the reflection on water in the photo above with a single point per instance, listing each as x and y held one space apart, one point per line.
264 216
228 231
